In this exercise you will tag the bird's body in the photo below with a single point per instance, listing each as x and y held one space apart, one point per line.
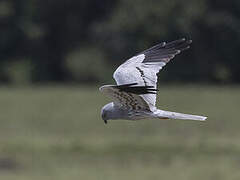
134 96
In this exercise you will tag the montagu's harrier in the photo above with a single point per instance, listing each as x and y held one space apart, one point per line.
134 96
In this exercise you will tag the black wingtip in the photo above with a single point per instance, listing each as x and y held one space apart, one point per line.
189 41
182 40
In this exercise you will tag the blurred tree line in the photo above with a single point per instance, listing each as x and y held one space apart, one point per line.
84 41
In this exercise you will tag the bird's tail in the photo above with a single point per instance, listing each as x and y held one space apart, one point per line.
174 115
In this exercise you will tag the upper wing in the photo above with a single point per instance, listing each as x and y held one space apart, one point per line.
127 95
143 68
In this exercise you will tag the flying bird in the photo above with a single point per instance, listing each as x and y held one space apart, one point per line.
134 96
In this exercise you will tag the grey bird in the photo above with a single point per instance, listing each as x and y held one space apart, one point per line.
134 96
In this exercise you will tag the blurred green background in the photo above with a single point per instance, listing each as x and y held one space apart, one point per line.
55 54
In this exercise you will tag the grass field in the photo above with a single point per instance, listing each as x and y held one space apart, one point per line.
55 133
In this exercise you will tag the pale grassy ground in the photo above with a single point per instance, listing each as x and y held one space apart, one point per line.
56 133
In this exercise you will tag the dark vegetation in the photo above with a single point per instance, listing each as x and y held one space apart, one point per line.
84 41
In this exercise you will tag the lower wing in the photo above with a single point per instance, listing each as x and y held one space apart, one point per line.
128 95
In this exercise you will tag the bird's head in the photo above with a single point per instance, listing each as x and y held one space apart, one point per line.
106 112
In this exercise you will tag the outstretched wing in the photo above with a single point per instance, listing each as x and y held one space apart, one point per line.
127 95
143 67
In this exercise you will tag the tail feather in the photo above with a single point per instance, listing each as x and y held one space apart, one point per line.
174 115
